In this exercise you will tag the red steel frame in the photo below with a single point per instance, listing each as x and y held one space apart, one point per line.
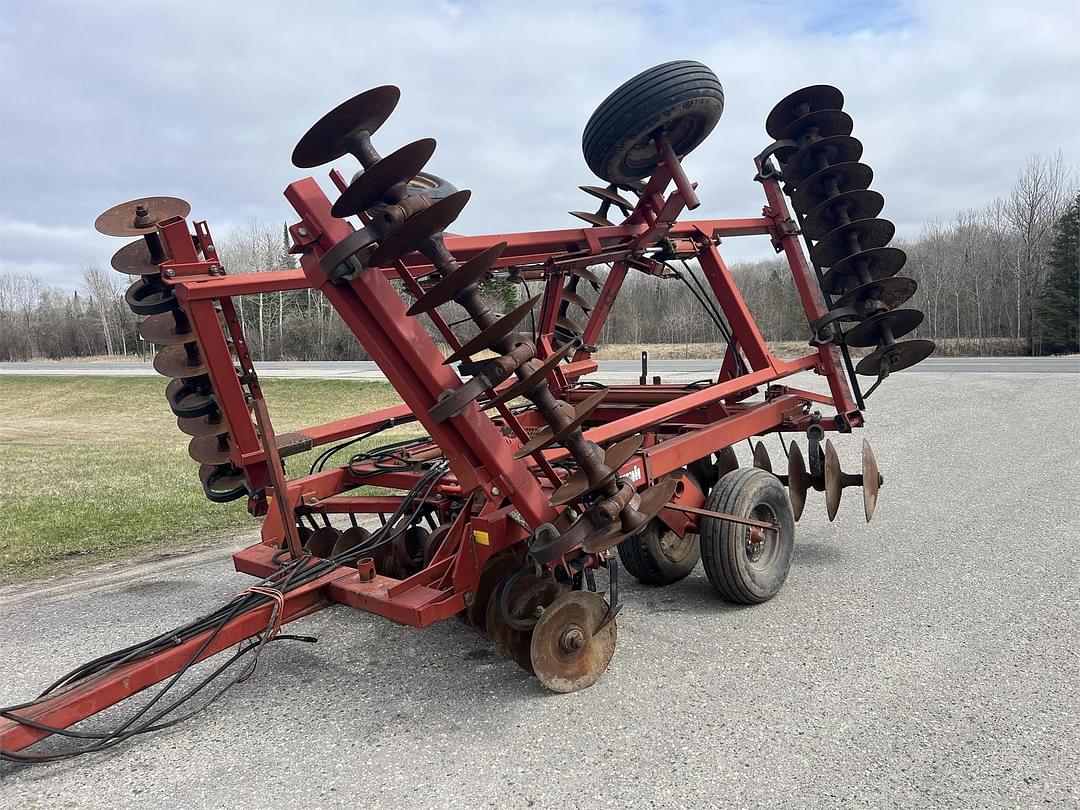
680 425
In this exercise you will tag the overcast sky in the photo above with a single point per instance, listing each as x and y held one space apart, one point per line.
101 102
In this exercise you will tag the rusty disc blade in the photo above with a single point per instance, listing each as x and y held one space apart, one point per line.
494 627
892 292
222 483
588 275
491 574
173 361
575 299
359 243
824 123
328 138
609 196
368 187
845 207
469 273
873 264
459 399
834 480
652 501
150 298
322 541
419 227
534 378
818 155
761 457
496 332
434 541
569 651
163 330
798 479
134 259
209 425
209 449
539 593
350 539
726 461
190 397
382 557
836 179
141 216
548 437
898 356
791 107
869 332
494 622
871 480
577 485
857 236
593 219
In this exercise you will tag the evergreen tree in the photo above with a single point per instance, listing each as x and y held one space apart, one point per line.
1058 309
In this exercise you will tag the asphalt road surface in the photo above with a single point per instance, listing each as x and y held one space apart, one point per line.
612 371
928 659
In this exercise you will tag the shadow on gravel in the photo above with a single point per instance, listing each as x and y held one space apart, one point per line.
818 554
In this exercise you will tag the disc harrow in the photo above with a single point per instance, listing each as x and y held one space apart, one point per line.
522 484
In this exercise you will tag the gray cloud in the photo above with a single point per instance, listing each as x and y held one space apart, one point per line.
102 102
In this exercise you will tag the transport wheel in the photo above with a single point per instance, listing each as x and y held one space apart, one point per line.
684 99
569 649
746 565
657 555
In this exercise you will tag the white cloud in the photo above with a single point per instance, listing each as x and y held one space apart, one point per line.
101 104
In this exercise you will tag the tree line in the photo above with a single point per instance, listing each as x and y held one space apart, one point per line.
1001 279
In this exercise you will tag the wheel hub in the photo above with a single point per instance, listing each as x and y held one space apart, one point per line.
573 639
755 544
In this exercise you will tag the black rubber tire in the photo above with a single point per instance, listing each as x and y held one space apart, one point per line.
645 558
683 98
751 493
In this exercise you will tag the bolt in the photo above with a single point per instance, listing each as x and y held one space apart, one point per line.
210 249
494 490
213 269
572 640
301 231
169 272
469 598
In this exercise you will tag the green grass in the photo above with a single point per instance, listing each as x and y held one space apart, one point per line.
94 468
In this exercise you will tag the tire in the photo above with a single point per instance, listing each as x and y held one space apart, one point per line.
683 98
658 556
751 493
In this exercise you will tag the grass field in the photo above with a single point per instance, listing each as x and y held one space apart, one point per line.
94 468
